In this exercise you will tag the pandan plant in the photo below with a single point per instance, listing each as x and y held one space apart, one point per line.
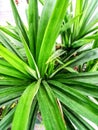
58 79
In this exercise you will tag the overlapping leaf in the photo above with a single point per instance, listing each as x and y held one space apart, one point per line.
26 100
51 110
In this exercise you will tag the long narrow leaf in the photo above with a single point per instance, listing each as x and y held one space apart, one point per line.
85 88
11 81
51 112
24 107
19 22
79 60
33 114
33 24
11 72
46 13
85 57
9 32
77 120
30 57
90 7
23 36
86 77
8 44
72 98
16 62
49 38
10 93
5 123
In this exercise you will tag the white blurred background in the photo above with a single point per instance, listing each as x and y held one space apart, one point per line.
6 12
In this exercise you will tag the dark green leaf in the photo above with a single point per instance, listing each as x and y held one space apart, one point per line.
19 22
5 123
10 93
51 113
76 101
33 24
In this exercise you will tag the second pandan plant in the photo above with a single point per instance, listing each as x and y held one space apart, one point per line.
39 74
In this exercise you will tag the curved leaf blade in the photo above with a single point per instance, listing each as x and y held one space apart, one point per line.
11 81
17 62
85 57
7 120
19 22
51 113
46 13
49 37
76 101
21 117
76 120
8 44
10 93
